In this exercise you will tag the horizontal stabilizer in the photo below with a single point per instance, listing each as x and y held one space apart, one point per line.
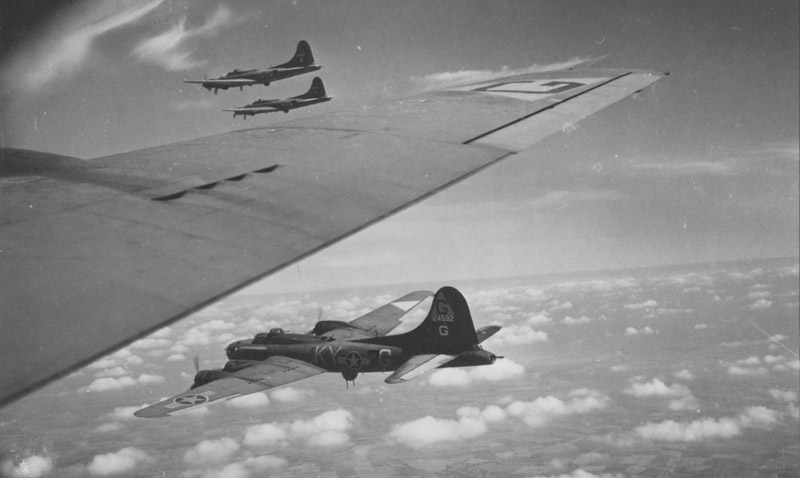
485 332
417 365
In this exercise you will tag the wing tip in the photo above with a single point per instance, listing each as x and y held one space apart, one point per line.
150 412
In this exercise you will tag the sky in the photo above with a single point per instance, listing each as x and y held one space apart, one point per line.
700 167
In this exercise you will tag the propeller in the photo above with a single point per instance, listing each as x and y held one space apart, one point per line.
196 362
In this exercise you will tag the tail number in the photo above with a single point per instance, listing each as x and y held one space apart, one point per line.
443 313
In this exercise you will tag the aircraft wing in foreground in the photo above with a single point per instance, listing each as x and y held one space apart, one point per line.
95 254
302 62
445 338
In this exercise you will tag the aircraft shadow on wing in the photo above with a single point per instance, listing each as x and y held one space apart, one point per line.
445 338
315 95
302 62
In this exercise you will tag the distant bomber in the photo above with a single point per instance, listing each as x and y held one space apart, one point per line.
302 62
315 94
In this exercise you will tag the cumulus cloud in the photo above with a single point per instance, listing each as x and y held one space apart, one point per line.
264 435
112 383
656 388
328 429
500 370
473 421
541 411
212 452
426 431
539 319
648 304
708 428
169 50
33 466
684 375
64 49
518 335
747 371
783 395
760 304
124 461
632 331
576 320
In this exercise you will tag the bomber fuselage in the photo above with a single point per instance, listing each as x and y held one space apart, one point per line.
333 355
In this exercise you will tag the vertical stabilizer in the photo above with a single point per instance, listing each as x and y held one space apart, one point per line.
317 90
302 57
447 329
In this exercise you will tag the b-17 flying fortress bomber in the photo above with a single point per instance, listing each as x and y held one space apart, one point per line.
446 338
302 62
314 95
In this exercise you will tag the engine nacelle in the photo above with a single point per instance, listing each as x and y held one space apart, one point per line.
206 376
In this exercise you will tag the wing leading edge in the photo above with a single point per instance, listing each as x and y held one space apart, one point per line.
101 252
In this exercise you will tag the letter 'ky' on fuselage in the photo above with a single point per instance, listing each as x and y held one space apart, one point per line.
302 62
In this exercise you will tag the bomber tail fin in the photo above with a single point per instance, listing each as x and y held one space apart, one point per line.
317 90
302 57
447 329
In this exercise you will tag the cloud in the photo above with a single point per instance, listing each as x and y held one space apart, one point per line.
648 304
325 430
684 375
576 321
760 304
168 49
459 377
747 372
264 435
539 319
124 461
64 50
656 388
708 428
426 431
518 335
541 411
33 466
783 395
451 79
110 383
630 331
211 452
